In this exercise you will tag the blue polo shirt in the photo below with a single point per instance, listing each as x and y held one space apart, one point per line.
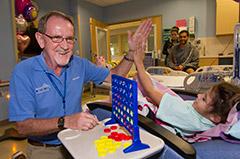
33 94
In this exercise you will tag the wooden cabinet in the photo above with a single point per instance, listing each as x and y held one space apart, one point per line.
227 15
208 61
215 60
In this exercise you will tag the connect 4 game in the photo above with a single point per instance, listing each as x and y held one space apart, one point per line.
109 138
125 110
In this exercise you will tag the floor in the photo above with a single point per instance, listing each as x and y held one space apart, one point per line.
9 147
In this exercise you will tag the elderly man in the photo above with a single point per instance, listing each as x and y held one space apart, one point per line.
46 90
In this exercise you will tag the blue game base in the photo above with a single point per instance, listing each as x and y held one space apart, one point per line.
111 121
136 146
125 109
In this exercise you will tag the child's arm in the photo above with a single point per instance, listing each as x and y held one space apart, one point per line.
143 77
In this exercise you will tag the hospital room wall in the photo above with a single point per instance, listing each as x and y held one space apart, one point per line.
86 10
7 55
172 10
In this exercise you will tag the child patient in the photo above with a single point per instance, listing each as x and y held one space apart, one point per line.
188 117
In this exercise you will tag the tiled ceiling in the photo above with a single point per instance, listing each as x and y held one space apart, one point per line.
104 3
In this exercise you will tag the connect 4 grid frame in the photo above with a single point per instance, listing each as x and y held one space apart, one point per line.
125 110
236 59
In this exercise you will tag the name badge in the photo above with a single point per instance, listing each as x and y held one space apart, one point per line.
42 89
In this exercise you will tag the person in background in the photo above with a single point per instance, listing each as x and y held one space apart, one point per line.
46 90
188 117
183 56
173 40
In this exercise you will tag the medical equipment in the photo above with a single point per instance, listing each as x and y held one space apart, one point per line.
201 81
162 70
195 82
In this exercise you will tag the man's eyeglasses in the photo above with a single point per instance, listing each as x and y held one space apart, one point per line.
59 39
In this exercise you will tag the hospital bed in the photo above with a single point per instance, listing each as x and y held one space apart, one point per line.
168 76
215 68
162 70
197 82
175 147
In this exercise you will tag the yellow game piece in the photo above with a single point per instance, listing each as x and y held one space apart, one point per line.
103 137
112 150
96 142
102 154
101 149
117 144
104 145
100 142
108 140
126 144
107 144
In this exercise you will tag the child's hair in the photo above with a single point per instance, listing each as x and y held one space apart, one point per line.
225 96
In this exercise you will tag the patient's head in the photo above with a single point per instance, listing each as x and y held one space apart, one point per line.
216 103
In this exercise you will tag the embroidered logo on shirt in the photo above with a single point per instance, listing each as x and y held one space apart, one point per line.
75 78
42 89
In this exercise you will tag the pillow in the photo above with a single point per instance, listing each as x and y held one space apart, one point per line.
235 130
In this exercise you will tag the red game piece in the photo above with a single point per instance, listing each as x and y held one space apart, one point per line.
117 138
114 133
107 130
122 136
111 137
113 127
129 138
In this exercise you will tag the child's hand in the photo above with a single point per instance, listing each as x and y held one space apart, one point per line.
140 53
140 35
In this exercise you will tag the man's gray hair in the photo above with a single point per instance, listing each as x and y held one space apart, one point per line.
43 20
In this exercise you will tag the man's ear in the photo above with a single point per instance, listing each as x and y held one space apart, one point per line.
40 39
215 118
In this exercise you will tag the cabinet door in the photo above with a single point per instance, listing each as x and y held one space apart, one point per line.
227 15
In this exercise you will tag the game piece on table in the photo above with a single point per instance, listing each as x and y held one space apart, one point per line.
114 127
107 130
105 145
